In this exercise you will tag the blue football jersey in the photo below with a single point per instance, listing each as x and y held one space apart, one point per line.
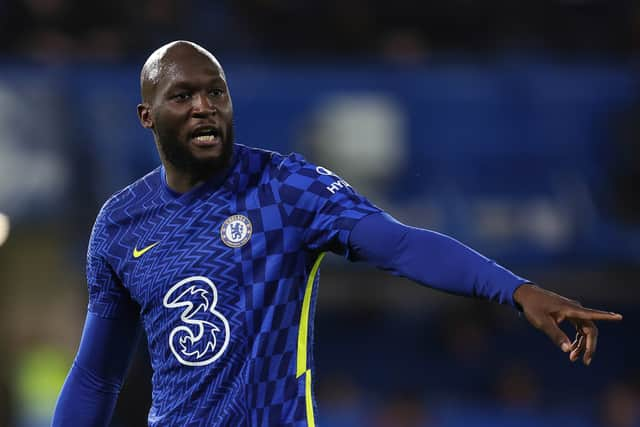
223 279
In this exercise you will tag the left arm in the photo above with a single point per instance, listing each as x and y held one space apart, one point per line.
431 259
443 263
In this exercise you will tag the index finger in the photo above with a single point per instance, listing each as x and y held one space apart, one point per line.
584 313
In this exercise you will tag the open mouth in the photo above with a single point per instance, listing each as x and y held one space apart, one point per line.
206 136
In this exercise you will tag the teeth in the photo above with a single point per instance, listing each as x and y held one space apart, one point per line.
205 138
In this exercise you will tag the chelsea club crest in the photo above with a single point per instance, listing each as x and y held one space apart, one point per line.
236 231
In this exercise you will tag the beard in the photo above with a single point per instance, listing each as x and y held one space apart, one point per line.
184 161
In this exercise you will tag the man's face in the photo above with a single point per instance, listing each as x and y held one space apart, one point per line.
192 115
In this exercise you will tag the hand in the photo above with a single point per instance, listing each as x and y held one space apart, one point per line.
545 310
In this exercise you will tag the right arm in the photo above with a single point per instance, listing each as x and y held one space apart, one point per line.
109 339
91 389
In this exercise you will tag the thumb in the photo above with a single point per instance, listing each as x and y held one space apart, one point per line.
557 336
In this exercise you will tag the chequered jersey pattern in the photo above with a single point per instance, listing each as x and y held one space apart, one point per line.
260 285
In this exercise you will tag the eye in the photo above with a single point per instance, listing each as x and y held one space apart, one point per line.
181 96
216 92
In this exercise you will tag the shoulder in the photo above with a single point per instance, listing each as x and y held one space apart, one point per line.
253 160
123 202
257 166
291 174
295 170
299 178
258 159
285 167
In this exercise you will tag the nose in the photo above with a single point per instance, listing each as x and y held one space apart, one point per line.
202 105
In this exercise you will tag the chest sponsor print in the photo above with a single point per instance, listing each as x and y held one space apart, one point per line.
203 334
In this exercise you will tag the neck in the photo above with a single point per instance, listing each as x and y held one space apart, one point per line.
186 175
180 182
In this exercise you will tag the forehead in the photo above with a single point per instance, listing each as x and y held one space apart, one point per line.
187 67
189 62
190 73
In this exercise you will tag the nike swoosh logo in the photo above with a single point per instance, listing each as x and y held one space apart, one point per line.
138 253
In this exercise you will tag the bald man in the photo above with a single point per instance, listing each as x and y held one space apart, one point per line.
216 254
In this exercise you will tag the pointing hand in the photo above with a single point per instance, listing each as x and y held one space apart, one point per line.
545 310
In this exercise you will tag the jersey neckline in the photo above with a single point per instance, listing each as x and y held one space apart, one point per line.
211 184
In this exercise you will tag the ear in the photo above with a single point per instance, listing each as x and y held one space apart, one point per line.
144 115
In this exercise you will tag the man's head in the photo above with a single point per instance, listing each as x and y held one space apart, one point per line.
187 105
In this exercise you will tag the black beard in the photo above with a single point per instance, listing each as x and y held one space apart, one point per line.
181 158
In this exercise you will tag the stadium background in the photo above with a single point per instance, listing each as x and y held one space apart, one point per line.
513 126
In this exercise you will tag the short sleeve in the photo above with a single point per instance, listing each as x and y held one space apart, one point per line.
108 298
322 203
